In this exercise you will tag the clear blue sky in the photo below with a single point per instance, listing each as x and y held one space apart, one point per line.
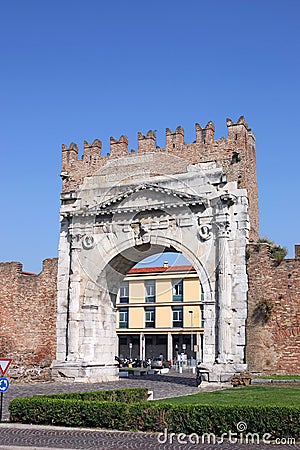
80 70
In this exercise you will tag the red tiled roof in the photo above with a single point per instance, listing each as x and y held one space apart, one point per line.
29 273
160 269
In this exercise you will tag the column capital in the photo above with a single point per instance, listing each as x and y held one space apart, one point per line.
222 225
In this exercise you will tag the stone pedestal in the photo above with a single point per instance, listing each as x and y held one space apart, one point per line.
83 372
223 373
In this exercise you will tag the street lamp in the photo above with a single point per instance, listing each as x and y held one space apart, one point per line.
192 336
143 349
130 351
176 351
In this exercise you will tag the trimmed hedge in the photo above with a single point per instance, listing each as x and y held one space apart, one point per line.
132 395
151 416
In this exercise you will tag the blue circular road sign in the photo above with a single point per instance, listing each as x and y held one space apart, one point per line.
4 384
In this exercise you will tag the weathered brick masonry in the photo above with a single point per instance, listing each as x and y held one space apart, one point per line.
28 314
273 343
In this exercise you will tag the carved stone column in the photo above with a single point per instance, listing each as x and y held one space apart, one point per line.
223 274
73 299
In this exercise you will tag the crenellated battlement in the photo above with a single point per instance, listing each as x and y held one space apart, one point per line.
147 143
235 154
175 140
91 150
14 269
205 135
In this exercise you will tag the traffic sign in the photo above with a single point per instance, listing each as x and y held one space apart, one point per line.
4 363
4 384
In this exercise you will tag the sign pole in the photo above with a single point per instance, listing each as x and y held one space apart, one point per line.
4 383
1 404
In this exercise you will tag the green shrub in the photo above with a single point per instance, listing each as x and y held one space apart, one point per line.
153 416
70 413
265 308
115 395
277 252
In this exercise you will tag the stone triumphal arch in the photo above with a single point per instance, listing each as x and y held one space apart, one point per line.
120 208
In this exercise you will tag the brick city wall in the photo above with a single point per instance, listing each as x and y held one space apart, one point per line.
235 154
273 343
28 316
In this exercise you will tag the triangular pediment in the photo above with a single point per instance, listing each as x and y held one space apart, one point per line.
146 197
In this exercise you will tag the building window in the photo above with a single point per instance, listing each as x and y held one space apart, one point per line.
149 341
177 316
149 317
202 307
135 340
202 315
124 292
123 318
150 291
235 158
202 293
177 290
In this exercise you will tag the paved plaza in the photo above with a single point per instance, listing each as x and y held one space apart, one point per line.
16 436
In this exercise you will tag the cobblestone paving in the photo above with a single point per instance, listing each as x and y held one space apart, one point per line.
22 437
34 437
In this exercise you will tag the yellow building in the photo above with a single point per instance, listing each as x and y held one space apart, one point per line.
159 311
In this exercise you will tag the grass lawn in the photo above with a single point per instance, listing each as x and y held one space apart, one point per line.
250 395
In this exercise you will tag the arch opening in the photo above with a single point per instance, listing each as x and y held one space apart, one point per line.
160 313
